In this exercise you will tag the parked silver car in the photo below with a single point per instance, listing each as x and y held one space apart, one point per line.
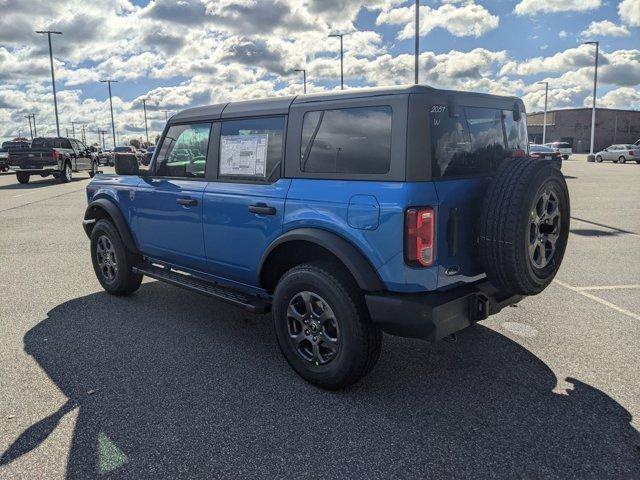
619 153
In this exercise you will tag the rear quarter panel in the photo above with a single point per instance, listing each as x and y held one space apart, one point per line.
345 208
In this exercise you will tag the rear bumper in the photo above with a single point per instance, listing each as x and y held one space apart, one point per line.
432 316
36 171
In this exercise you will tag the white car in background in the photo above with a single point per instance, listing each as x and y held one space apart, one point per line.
619 153
563 148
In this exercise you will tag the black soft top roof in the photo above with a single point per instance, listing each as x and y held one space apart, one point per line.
281 105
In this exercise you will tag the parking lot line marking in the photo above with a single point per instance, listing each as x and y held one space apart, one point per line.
607 287
599 300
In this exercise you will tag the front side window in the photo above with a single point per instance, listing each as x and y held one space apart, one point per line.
349 140
184 151
252 148
474 141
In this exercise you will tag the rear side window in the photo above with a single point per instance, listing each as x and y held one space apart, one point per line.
252 148
184 151
474 141
349 140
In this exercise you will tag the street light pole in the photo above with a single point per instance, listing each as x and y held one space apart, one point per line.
544 125
30 129
595 87
146 129
35 130
166 115
304 78
340 35
417 47
113 124
53 78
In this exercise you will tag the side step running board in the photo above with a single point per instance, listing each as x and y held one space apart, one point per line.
248 302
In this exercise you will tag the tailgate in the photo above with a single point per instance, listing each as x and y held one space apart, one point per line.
460 204
33 160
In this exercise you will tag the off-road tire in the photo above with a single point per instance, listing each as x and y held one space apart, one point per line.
23 178
505 225
125 281
360 339
66 175
622 159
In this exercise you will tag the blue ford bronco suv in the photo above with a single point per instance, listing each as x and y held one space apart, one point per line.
406 210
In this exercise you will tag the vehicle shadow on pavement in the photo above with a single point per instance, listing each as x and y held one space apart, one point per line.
169 384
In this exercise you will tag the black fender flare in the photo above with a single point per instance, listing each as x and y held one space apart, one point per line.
118 219
357 264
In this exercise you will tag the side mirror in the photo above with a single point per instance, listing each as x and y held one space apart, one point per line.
126 164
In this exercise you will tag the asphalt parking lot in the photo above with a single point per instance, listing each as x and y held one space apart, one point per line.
169 384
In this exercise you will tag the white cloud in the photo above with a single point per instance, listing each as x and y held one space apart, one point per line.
605 28
532 7
629 11
624 98
467 20
563 34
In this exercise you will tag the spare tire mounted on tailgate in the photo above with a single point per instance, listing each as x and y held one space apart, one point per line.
524 226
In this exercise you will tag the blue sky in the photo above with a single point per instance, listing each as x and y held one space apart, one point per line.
192 52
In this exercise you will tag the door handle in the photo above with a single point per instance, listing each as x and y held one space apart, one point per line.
187 202
262 209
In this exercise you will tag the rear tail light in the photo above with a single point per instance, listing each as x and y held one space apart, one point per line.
519 153
419 236
56 155
631 152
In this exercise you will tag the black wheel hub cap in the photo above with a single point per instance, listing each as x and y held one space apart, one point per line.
312 328
106 257
544 229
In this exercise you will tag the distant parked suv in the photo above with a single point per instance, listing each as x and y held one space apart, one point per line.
408 210
563 148
55 156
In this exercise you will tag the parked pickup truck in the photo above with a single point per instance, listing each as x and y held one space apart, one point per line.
408 210
8 147
55 156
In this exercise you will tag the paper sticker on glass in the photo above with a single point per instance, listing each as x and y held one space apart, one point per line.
244 155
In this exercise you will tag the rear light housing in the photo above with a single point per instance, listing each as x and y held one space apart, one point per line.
632 152
56 155
419 236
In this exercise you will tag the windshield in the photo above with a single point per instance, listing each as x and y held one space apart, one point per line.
122 149
474 141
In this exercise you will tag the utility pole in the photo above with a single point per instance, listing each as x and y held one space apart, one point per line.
340 35
544 124
595 87
113 125
102 132
73 129
304 78
417 46
53 78
30 129
146 129
166 115
84 137
35 130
